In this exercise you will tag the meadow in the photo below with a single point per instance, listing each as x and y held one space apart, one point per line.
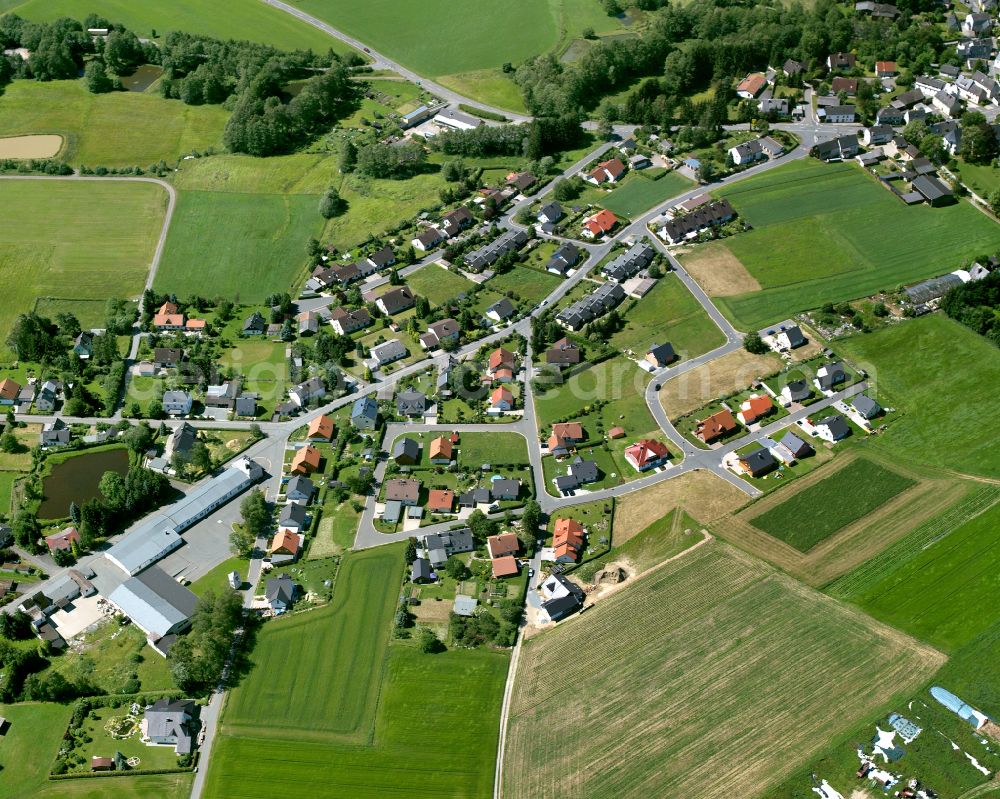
525 283
373 718
438 285
669 313
664 704
223 19
828 233
942 376
241 246
817 512
117 129
638 193
75 240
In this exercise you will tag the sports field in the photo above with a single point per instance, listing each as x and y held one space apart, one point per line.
74 240
827 233
810 516
639 193
669 313
944 378
674 690
116 129
241 246
333 709
224 19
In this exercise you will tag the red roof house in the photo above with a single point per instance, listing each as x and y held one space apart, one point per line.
63 540
600 223
647 454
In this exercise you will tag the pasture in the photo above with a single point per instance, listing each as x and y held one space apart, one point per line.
223 19
241 246
669 313
638 193
69 239
828 233
934 428
373 718
116 129
664 704
817 512
437 284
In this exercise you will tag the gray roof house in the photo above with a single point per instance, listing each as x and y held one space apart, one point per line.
563 259
584 471
280 593
411 403
406 451
866 406
566 483
796 391
505 488
798 447
300 489
830 375
440 546
293 517
833 428
550 212
420 570
500 310
255 324
477 496
364 413
54 434
171 722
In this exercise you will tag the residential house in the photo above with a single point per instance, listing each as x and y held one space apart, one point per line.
406 452
501 310
83 345
716 426
382 258
420 571
168 317
833 428
255 324
795 391
167 357
489 254
609 171
427 239
505 566
522 181
629 263
454 222
439 332
837 114
886 69
977 24
890 116
842 61
685 227
584 471
848 86
387 352
345 322
180 442
306 460
279 593
505 489
402 490
562 597
830 375
928 86
308 323
660 355
441 451
947 104
837 149
550 213
756 150
754 408
600 223
441 546
866 407
395 301
223 395
565 436
563 353
878 134
474 498
773 105
799 448
48 396
568 540
293 517
171 722
9 391
64 540
284 547
502 545
563 259
877 10
792 67
789 338
300 489
757 462
321 429
591 307
752 85
364 414
176 402
501 359
440 500
411 403
501 400
304 393
647 454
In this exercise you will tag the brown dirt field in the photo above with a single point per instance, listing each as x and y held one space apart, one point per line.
691 390
719 272
853 545
702 494
432 612
37 146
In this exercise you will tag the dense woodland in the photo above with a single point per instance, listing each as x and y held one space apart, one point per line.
976 305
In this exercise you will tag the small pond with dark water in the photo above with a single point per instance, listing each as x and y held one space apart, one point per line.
77 479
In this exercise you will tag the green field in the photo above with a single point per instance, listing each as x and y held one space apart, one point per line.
117 129
820 510
527 284
674 690
240 246
224 19
438 285
669 313
372 719
941 375
638 193
75 239
827 233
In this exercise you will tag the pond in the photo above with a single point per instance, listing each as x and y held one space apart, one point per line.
144 77
77 479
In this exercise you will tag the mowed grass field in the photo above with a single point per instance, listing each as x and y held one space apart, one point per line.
223 19
117 129
827 233
944 378
241 246
333 709
674 690
812 515
639 193
78 239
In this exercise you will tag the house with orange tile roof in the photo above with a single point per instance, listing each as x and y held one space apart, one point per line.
9 391
501 359
616 432
440 500
505 567
754 408
501 400
716 426
502 545
441 451
168 317
320 429
600 223
306 460
567 540
564 436
606 172
195 325
752 85
284 546
647 454
63 540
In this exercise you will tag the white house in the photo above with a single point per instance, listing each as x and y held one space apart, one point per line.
176 403
388 352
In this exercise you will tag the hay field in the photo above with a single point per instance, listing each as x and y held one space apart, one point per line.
40 146
712 676
718 271
733 372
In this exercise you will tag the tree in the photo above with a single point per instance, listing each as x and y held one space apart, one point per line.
979 144
456 569
256 513
26 529
139 438
155 409
123 52
201 457
8 441
430 644
753 343
411 549
706 171
994 201
241 541
331 204
348 157
74 513
255 432
531 518
481 527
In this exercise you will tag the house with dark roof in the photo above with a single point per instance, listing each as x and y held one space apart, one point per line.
294 517
505 489
629 263
584 471
420 571
280 594
563 259
439 332
411 403
661 355
550 213
427 239
171 722
406 452
487 255
830 375
300 489
844 61
833 428
789 338
758 462
441 546
477 496
563 353
382 258
795 391
454 222
395 301
866 407
364 414
932 190
798 447
255 324
689 225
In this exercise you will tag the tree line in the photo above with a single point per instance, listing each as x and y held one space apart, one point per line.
976 305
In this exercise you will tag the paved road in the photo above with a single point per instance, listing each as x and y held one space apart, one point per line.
381 61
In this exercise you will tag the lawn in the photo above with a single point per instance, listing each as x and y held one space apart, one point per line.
75 240
217 579
438 285
669 313
638 193
478 448
7 480
373 719
526 283
820 510
827 233
240 246
116 129
664 704
223 19
940 375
